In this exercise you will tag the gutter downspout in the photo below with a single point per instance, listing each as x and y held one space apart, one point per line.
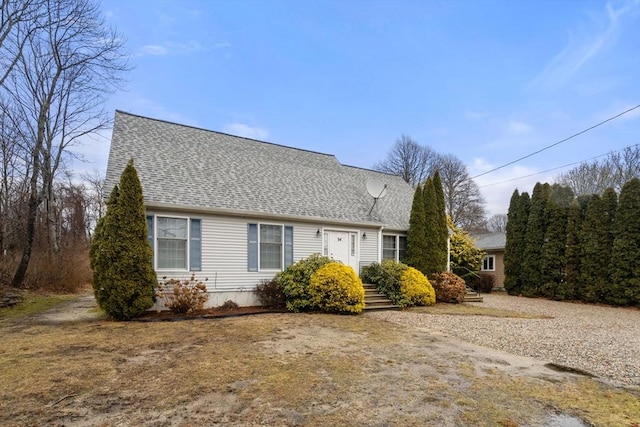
380 244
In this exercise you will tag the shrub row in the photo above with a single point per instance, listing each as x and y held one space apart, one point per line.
314 283
403 285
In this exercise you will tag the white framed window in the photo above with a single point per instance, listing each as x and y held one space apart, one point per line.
489 263
175 241
270 246
394 247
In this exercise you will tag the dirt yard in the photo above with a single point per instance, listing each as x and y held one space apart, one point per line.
69 367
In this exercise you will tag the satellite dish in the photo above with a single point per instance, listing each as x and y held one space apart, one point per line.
376 189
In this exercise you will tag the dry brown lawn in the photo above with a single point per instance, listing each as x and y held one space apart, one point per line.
281 370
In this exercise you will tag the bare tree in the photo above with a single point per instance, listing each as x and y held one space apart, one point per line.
408 159
57 89
464 203
595 177
18 20
415 162
497 223
96 203
13 170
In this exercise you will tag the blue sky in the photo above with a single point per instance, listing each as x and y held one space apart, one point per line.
488 81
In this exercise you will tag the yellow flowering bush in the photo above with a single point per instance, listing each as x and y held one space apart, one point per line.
415 288
336 287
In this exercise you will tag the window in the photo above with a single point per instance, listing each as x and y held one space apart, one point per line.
394 247
488 263
176 242
402 247
269 247
353 244
389 247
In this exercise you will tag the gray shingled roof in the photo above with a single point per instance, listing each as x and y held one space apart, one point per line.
183 166
490 241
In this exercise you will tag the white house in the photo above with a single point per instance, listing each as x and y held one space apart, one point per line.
235 210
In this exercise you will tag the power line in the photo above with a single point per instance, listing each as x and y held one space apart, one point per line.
557 143
558 167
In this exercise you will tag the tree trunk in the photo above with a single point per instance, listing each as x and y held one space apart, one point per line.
18 277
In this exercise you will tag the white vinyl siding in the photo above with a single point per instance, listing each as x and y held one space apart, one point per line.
225 245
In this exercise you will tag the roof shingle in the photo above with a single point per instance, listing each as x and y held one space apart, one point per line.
180 165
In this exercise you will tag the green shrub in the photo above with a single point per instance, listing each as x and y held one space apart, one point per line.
269 294
336 288
294 281
124 280
416 289
448 287
386 278
184 296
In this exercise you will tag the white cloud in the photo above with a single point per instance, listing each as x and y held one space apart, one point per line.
156 50
582 48
497 187
516 127
616 108
475 115
242 129
178 48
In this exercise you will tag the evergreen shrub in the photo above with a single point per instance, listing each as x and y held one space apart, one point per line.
448 287
386 278
336 288
416 289
294 281
124 280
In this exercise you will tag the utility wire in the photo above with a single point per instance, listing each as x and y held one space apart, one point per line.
557 143
556 168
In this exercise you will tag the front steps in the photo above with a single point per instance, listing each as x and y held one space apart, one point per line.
472 296
373 300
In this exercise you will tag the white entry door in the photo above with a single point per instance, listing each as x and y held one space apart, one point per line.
342 246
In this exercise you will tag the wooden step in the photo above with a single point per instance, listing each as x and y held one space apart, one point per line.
373 300
472 296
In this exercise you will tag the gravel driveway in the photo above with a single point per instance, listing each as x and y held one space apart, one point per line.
603 341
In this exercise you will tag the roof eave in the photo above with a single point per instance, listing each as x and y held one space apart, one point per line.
251 214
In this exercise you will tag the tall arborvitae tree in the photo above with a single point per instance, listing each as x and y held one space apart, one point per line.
517 218
594 239
101 253
430 228
124 267
553 259
625 256
571 285
442 230
534 240
416 241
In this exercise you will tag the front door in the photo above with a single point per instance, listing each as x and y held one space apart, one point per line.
341 246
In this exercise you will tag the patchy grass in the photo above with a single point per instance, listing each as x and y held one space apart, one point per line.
274 369
33 303
473 310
